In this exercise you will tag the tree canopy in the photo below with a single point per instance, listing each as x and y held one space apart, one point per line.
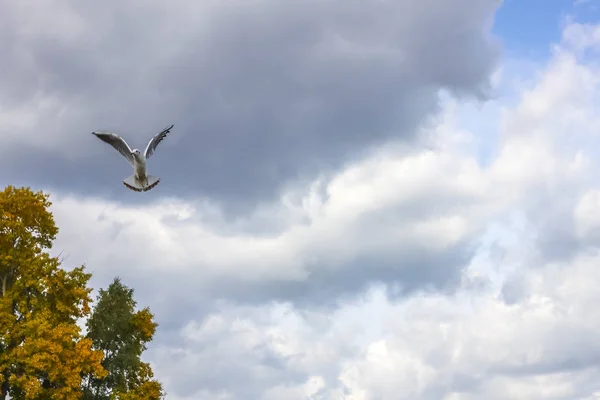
121 332
43 353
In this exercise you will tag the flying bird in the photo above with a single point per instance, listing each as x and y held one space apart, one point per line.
140 181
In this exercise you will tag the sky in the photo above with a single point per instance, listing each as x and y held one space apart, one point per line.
359 200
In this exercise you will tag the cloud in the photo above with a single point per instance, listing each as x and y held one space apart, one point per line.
363 266
405 217
522 319
260 93
467 346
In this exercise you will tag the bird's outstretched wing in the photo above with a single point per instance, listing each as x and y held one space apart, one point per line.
117 142
155 141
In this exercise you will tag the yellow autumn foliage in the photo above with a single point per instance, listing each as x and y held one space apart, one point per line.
42 352
144 324
144 388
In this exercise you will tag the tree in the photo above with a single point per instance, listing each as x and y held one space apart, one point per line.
42 352
122 333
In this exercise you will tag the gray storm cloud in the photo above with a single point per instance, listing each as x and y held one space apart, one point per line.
260 92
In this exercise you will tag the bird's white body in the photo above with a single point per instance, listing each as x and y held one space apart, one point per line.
140 181
139 165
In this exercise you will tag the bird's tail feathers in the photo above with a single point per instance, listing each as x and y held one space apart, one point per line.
135 184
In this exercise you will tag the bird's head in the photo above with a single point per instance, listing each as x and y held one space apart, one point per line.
136 152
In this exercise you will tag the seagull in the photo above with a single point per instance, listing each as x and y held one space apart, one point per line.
140 181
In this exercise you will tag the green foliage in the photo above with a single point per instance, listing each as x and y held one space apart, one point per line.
121 333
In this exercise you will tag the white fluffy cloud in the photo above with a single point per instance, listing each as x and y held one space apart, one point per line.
521 318
404 208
